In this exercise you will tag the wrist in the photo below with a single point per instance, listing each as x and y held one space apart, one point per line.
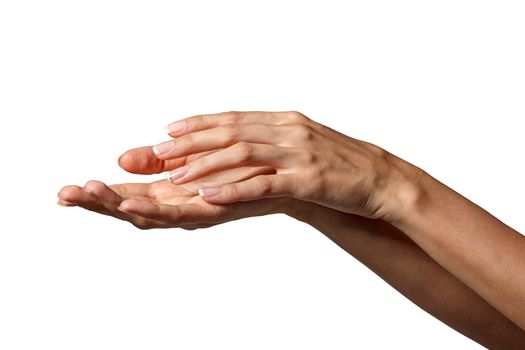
406 193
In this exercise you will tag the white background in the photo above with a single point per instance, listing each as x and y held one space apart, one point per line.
441 84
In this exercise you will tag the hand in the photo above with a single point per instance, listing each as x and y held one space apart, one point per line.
312 162
161 204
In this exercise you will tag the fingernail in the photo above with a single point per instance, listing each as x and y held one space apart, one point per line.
162 148
122 208
175 127
178 173
208 192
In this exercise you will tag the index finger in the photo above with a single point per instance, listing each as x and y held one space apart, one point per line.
207 121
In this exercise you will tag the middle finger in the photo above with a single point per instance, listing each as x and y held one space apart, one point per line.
220 137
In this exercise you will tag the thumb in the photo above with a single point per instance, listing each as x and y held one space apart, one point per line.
142 160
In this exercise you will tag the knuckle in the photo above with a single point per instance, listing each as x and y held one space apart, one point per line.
303 132
311 157
232 132
219 211
380 152
201 163
142 224
94 186
245 150
232 191
376 157
178 215
376 150
297 117
233 116
185 142
264 185
195 123
315 178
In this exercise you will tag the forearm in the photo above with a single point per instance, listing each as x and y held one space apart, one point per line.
477 248
406 267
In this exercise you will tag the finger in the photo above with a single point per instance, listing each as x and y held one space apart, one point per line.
219 137
262 186
226 176
207 121
142 160
239 155
77 196
179 214
111 200
132 190
65 204
199 215
68 196
74 194
108 198
82 198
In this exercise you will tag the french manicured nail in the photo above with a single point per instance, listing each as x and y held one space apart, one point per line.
208 192
176 127
178 173
162 148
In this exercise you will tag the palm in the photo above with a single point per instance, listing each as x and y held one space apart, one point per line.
164 192
158 192
177 205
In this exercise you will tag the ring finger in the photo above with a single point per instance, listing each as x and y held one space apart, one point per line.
238 155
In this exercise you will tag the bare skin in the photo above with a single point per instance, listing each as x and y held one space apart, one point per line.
160 203
408 268
317 164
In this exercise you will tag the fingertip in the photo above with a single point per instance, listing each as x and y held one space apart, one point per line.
94 187
214 195
176 128
137 160
61 194
133 206
125 160
209 192
64 203
156 151
68 193
141 160
124 206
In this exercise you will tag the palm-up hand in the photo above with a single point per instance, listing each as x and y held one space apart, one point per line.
161 204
